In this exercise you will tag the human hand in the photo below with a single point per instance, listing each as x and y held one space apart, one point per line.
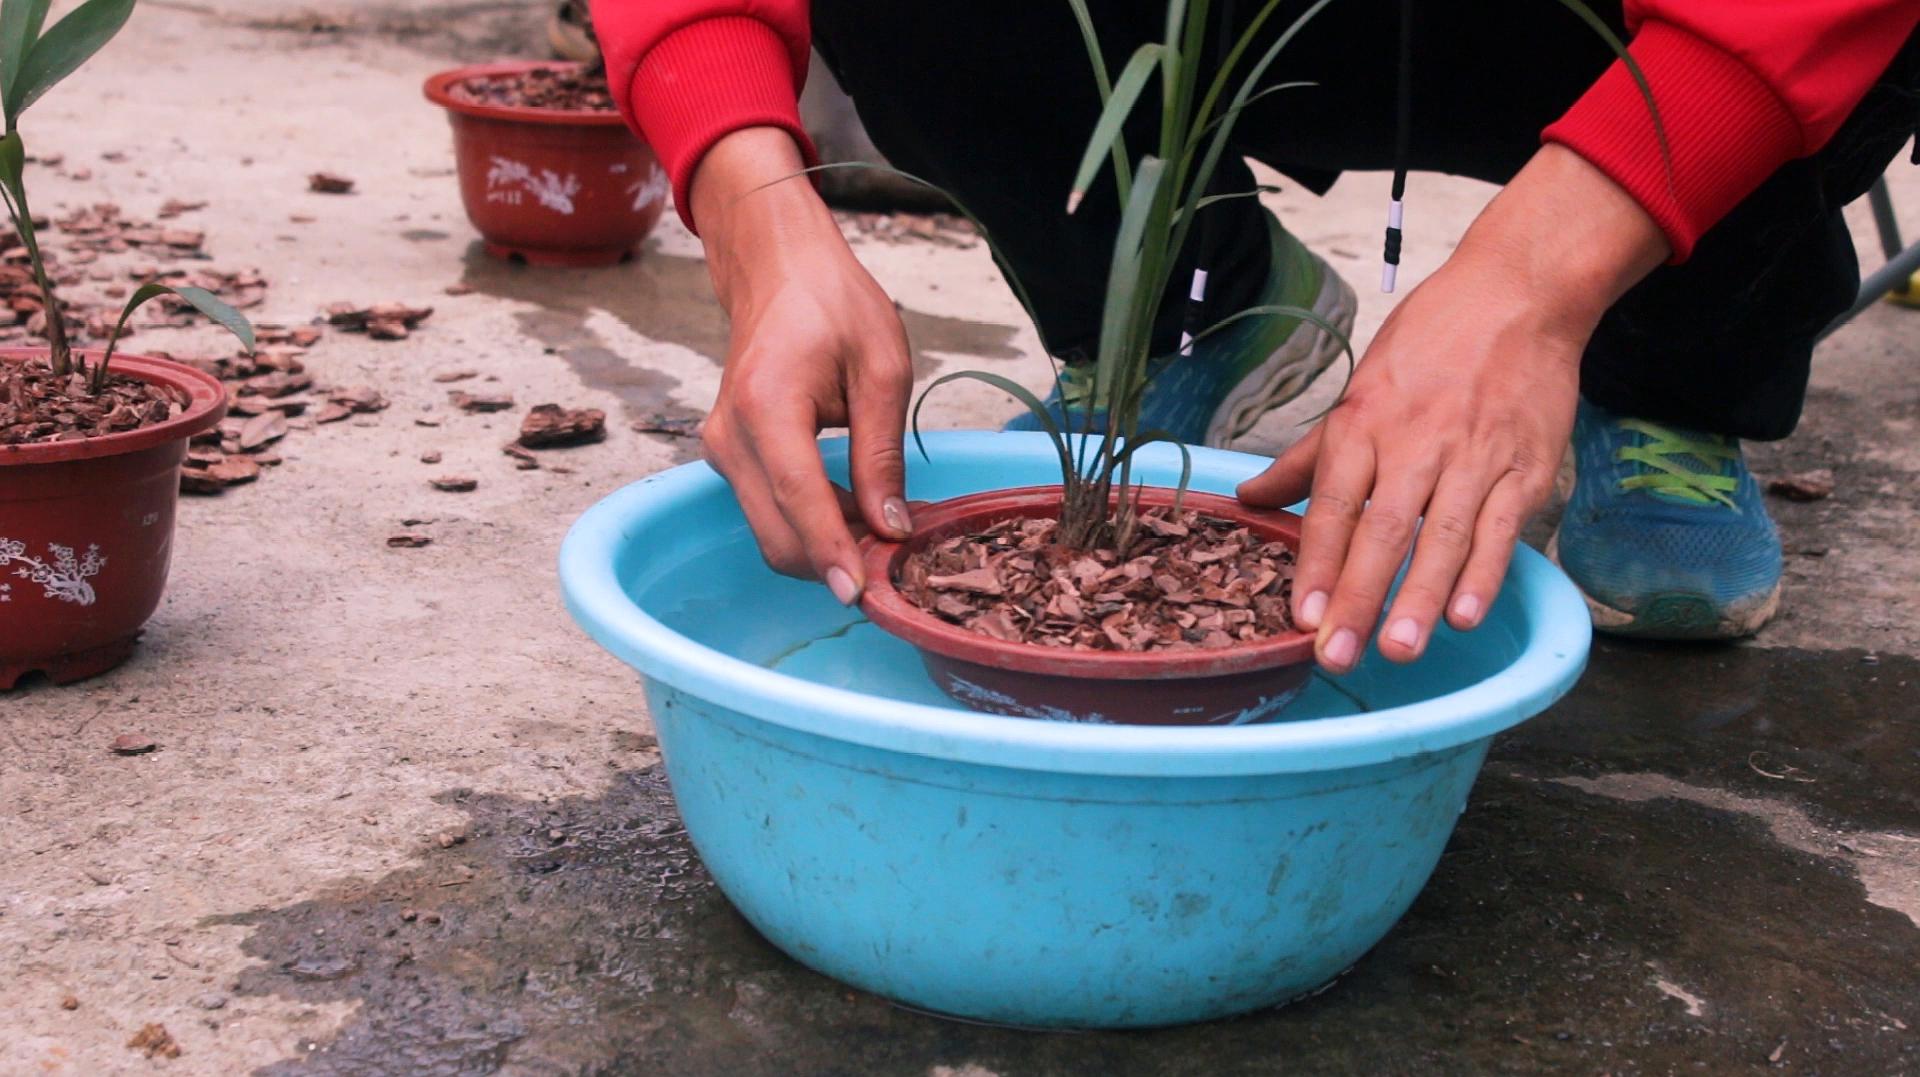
815 343
1459 414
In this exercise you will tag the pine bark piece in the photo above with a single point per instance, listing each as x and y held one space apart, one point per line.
673 426
381 320
358 398
329 183
454 484
234 470
262 429
133 744
550 426
154 1041
1816 485
979 581
480 403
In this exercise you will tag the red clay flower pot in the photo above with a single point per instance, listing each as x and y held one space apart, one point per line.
550 186
1227 686
86 531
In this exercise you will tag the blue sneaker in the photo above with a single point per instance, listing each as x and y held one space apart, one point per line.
1665 532
1232 378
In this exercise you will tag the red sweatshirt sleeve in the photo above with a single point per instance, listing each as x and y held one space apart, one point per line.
687 72
1743 86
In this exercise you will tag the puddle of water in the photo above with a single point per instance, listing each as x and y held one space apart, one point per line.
1837 730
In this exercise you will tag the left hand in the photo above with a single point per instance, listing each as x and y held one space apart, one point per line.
1459 413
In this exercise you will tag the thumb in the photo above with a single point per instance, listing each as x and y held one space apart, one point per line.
1288 479
876 420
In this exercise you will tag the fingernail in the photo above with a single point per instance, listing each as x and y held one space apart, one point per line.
1342 648
1312 608
1466 610
1405 632
842 586
894 511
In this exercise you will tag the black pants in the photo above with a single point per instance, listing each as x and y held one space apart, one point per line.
993 100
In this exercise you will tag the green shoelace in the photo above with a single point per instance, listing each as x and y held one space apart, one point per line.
1667 475
1076 386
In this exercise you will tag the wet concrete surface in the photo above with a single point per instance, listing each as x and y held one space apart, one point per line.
1662 874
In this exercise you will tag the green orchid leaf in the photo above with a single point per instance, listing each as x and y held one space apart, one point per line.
1203 116
20 22
1202 177
1155 437
215 308
13 159
1199 204
1123 300
1234 113
61 51
1011 388
13 170
1599 26
999 257
202 300
1107 131
1283 310
1091 40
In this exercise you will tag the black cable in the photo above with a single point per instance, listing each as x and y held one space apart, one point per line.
1402 139
1208 237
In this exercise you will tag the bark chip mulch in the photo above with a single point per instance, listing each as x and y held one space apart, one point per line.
38 408
563 89
381 321
550 426
1191 583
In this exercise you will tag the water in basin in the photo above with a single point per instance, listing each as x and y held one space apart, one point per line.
717 592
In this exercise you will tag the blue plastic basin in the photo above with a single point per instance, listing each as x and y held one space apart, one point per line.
1038 873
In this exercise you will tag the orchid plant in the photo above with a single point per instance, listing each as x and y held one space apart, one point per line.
1161 194
31 63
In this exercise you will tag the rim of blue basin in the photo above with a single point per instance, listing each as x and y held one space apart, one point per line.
1553 654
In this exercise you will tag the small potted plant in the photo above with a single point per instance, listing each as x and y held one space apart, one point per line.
1100 599
91 442
549 172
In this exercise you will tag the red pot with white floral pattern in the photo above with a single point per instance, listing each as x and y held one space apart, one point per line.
86 529
564 187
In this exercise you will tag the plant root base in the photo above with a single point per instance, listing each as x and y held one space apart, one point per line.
592 257
68 668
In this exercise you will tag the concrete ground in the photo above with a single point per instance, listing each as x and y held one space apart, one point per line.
404 818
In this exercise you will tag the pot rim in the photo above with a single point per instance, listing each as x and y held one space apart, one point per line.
206 406
439 90
893 611
1538 606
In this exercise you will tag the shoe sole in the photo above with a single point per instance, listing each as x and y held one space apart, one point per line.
1292 367
1677 615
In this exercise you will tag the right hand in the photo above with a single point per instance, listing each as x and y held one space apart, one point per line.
815 343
